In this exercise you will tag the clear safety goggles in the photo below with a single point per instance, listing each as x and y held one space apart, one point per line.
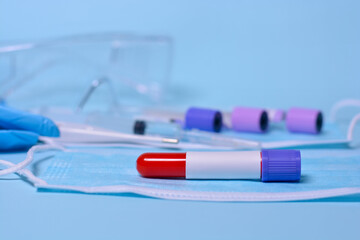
108 70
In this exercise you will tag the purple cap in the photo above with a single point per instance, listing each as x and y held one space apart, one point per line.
304 120
245 119
203 119
280 165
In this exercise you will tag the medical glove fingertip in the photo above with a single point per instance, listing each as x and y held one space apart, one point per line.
49 128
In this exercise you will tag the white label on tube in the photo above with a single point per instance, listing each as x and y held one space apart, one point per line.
223 165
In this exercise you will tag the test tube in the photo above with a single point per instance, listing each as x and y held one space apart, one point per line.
193 135
298 120
203 119
170 129
267 165
245 119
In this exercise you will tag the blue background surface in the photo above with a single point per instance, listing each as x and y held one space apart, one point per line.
257 53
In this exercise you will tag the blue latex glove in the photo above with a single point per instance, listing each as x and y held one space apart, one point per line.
21 130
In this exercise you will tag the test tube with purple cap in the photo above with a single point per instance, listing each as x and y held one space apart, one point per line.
297 120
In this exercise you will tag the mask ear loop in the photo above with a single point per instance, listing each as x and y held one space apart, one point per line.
25 173
30 156
342 104
351 128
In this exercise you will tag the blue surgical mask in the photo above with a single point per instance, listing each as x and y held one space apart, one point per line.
325 174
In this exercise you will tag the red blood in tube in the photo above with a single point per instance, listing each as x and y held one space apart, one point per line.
162 165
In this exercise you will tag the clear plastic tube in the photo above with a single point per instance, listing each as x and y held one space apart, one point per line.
76 133
169 130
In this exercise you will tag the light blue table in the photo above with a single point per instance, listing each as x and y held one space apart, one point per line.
273 53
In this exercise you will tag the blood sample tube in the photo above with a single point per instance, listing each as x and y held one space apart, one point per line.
245 119
194 118
298 120
304 120
266 165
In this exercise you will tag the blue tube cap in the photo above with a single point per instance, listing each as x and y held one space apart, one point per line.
203 119
280 165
